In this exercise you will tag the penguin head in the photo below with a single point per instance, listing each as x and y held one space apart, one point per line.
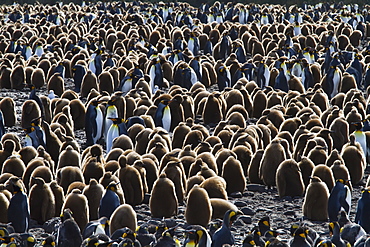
333 228
366 192
231 216
300 233
17 187
112 186
326 243
343 181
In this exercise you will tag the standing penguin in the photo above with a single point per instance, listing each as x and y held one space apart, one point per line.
18 211
340 197
273 156
289 179
42 201
95 64
78 204
263 75
223 77
115 130
281 81
223 235
332 82
163 201
198 208
68 232
155 74
315 205
2 125
93 123
78 75
131 182
109 202
362 213
110 112
162 117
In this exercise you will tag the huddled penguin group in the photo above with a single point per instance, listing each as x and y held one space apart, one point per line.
177 109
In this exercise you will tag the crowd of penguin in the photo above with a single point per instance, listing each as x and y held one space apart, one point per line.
182 106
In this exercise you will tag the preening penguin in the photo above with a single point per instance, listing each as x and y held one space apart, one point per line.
340 198
197 236
315 203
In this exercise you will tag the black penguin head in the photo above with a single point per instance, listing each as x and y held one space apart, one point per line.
17 186
112 186
334 228
66 214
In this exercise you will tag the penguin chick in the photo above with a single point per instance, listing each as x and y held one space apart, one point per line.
289 179
198 208
316 200
123 216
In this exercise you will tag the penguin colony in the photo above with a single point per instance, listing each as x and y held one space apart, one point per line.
181 109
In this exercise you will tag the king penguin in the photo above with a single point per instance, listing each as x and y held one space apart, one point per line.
18 211
78 75
95 64
93 123
224 235
68 232
117 128
110 112
362 213
162 117
340 197
109 202
155 74
263 75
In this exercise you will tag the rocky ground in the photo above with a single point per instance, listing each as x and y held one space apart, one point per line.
256 201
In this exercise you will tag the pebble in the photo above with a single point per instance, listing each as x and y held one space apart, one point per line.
240 204
290 212
236 195
246 219
255 187
248 211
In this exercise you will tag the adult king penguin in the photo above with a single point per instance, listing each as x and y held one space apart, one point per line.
155 74
223 235
362 213
340 197
115 130
78 75
110 112
93 123
18 210
109 202
162 117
